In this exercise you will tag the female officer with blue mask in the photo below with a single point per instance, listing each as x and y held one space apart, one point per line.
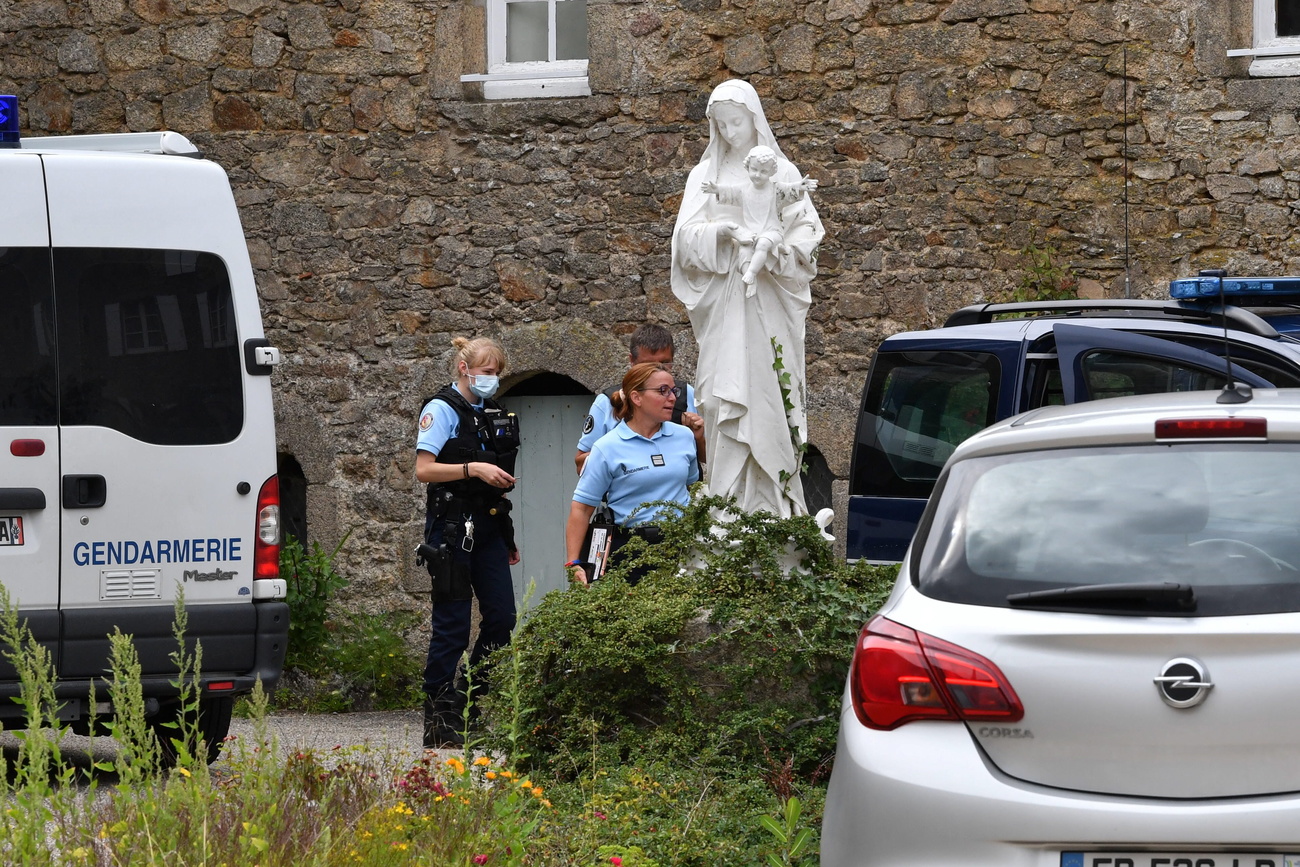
466 453
644 459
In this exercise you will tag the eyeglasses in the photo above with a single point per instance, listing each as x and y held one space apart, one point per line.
665 390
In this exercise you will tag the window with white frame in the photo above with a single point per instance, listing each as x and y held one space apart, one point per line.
535 48
1276 44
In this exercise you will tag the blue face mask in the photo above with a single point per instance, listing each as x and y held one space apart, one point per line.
484 386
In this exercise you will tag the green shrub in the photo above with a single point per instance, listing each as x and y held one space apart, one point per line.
1044 279
312 585
718 656
342 661
376 660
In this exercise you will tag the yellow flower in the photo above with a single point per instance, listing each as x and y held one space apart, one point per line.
491 775
482 760
183 771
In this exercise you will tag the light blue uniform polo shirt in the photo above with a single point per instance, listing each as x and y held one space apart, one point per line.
438 423
628 470
600 418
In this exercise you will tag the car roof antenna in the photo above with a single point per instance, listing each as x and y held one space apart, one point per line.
1128 291
1233 391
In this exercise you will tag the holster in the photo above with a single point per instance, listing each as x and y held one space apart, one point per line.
450 576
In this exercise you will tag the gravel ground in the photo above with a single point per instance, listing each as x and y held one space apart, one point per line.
398 731
394 732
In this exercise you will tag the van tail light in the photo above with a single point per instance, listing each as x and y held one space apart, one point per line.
900 675
266 547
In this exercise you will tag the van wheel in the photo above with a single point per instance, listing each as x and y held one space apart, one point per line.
212 728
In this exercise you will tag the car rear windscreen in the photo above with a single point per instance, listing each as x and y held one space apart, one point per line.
1219 517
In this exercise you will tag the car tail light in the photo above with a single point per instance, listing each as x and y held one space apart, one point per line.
1210 428
901 675
266 547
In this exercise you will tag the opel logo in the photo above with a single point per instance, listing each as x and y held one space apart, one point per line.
1183 682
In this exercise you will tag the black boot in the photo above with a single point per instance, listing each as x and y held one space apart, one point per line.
443 720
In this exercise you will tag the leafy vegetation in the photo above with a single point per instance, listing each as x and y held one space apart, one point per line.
342 661
733 649
686 721
1044 279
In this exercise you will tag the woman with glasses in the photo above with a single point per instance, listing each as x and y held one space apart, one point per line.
646 458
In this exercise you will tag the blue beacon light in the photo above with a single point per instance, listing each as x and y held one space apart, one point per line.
1207 288
9 122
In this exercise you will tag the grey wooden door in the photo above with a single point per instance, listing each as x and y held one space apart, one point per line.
550 425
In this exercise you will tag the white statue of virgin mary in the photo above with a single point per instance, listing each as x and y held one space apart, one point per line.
749 382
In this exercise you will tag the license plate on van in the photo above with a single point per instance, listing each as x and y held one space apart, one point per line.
11 531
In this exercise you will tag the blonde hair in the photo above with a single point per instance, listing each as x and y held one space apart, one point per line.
633 380
474 352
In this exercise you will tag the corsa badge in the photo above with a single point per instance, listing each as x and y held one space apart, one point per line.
426 421
589 425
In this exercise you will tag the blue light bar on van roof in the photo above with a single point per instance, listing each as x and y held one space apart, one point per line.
1208 287
9 122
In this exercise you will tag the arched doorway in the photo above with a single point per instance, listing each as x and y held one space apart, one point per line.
293 498
817 480
551 409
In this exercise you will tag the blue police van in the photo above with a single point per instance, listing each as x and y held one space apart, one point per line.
929 390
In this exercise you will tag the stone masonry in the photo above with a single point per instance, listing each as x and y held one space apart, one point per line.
389 208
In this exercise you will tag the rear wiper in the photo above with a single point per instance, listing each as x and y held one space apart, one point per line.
1162 596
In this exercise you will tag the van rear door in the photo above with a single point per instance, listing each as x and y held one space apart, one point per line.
922 399
163 455
1098 363
29 438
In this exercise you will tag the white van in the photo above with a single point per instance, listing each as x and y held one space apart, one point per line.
137 443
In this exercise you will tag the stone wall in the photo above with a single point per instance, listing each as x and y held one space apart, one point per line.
388 208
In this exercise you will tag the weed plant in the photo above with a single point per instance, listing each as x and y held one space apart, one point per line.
258 807
342 661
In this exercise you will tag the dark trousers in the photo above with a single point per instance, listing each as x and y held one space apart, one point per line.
489 565
649 532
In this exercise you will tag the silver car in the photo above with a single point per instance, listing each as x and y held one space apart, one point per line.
1092 654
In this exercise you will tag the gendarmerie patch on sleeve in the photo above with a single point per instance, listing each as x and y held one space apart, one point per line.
426 421
589 425
657 460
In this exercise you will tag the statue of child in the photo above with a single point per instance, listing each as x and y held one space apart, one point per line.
761 203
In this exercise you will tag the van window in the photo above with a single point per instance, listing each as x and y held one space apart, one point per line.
27 369
1118 374
147 345
919 406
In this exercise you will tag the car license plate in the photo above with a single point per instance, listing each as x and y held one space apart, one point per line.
1180 859
11 531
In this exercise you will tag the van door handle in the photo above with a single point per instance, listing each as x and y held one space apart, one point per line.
84 492
21 499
